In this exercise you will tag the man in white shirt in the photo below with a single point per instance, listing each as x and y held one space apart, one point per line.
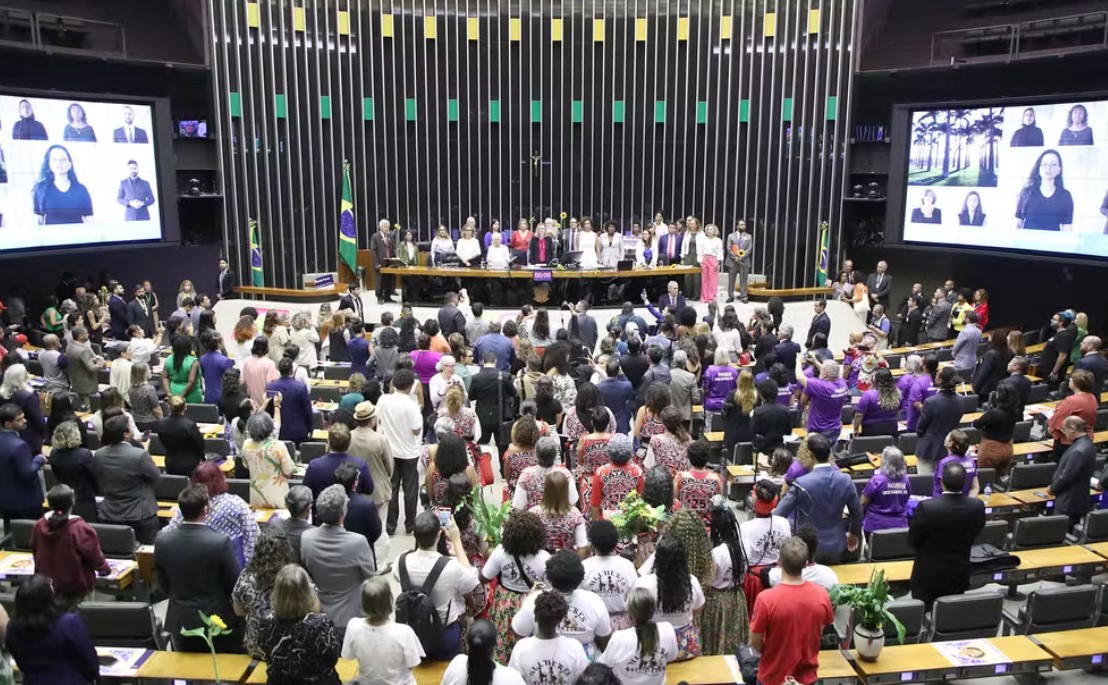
400 421
457 578
587 620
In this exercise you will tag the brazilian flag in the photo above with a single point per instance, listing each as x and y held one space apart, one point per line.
257 275
824 255
348 231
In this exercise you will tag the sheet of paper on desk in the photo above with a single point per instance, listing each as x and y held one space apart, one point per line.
120 566
971 653
127 660
733 664
22 564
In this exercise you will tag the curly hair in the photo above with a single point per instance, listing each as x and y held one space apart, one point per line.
888 396
271 553
671 566
525 432
687 526
565 571
524 534
658 487
658 397
245 329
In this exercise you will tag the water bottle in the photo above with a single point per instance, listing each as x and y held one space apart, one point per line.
988 491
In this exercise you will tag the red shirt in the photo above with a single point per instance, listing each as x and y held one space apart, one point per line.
982 311
1083 404
520 241
69 555
790 619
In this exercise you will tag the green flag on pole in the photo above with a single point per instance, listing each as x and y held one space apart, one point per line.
824 256
257 276
348 232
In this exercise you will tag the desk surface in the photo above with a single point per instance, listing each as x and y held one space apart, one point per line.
858 574
1075 644
1100 548
834 666
908 661
1030 560
185 666
529 274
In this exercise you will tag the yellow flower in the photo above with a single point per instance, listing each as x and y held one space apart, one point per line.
563 215
398 225
217 622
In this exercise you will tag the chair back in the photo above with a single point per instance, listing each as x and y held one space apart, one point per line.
1038 393
847 414
240 487
907 442
217 446
1062 608
1022 431
325 393
890 544
311 450
966 617
994 533
921 484
986 475
1037 532
1095 527
974 434
744 454
121 624
970 403
871 443
337 373
168 487
202 413
21 534
946 355
156 446
1101 419
910 613
1027 476
116 541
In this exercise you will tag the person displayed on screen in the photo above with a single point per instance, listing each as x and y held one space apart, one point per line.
1077 131
28 128
128 132
135 194
1044 204
927 212
1028 134
59 198
1104 211
972 214
78 129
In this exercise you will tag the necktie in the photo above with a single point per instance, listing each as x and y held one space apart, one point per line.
388 252
573 240
671 248
130 135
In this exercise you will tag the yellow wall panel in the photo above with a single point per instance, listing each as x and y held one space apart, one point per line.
473 28
298 19
557 28
388 29
253 15
640 29
430 28
344 23
769 29
682 28
726 26
598 30
515 28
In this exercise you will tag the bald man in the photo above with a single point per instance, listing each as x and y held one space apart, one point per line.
1094 362
1070 485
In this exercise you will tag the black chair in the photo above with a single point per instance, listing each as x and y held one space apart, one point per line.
921 484
1022 431
910 612
21 534
1027 476
203 413
168 487
1037 532
744 453
49 477
156 446
970 402
291 447
870 443
317 420
1039 392
116 541
123 624
889 545
994 533
965 617
336 373
1093 529
311 450
1101 419
217 446
1053 609
325 393
847 414
7 600
907 442
946 355
974 435
986 476
240 487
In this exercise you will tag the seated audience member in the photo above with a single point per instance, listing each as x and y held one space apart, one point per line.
67 549
251 596
997 425
564 523
819 574
519 564
321 470
184 445
942 531
608 574
49 646
268 461
548 657
125 478
197 569
457 577
696 486
72 466
885 497
591 625
386 651
296 404
337 559
227 513
361 513
1082 403
299 502
478 666
725 622
639 654
789 619
677 592
300 642
1075 469
762 535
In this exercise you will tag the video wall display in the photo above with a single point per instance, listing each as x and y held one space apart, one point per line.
76 172
1025 177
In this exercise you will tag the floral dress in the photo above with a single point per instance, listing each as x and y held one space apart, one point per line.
565 390
560 529
651 426
593 454
517 462
670 453
465 422
257 603
270 467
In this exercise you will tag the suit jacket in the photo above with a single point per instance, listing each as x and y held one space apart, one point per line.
663 248
586 330
821 323
819 500
381 249
451 320
684 391
941 414
141 316
225 284
197 568
126 476
1071 479
373 448
618 395
362 518
741 241
565 240
119 135
1097 365
293 529
120 317
787 352
20 490
137 189
82 370
338 561
938 321
487 389
880 290
664 302
1022 384
354 304
533 250
769 424
321 473
296 408
184 445
910 329
942 531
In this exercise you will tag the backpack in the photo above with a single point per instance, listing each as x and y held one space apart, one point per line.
414 607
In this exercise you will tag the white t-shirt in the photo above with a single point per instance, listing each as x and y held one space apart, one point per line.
468 248
503 564
762 538
558 661
450 589
724 577
386 654
611 578
498 256
622 655
680 620
586 619
397 416
819 574
457 673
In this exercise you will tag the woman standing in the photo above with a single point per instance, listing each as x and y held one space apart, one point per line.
67 550
299 642
720 380
981 308
725 621
519 562
997 425
861 297
252 594
277 333
186 289
677 592
736 413
957 446
531 484
564 524
639 654
466 425
646 252
616 479
611 246
227 513
710 252
257 371
442 247
213 364
521 239
268 462
450 457
72 466
696 486
182 372
589 245
994 365
592 453
670 448
885 497
17 390
877 408
49 646
408 252
648 420
520 454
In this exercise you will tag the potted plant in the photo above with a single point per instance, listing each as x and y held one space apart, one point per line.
488 519
870 614
635 519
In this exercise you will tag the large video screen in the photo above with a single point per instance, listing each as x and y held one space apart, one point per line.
1023 177
76 172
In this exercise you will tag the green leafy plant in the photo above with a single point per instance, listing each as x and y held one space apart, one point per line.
489 519
213 627
869 603
636 517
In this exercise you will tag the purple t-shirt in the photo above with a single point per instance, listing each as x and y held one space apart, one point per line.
904 385
871 411
785 394
920 391
796 470
825 406
719 382
968 463
888 503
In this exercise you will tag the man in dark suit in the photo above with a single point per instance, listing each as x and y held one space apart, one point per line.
196 567
634 364
570 235
492 391
942 531
20 491
669 247
321 470
1094 362
296 404
299 503
821 322
787 349
135 194
451 319
128 132
352 300
618 394
541 248
911 322
1070 485
361 513
673 299
770 421
117 310
880 284
1017 378
225 284
382 249
819 497
583 326
940 414
139 313
125 477
937 321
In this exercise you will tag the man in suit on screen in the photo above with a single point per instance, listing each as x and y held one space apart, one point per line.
128 132
135 194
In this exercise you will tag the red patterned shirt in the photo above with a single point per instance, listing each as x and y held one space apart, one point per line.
695 490
671 453
561 530
613 482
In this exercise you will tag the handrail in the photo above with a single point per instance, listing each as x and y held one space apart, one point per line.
1015 31
40 19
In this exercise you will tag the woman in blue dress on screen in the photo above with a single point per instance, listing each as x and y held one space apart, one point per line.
927 212
59 198
1077 131
1044 204
971 214
78 128
1028 134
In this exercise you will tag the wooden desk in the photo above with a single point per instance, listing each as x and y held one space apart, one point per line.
1100 548
301 294
529 274
1076 648
1000 503
120 581
1033 562
835 669
1037 347
859 574
923 662
740 471
186 666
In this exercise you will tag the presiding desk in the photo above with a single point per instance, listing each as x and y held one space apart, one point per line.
925 663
